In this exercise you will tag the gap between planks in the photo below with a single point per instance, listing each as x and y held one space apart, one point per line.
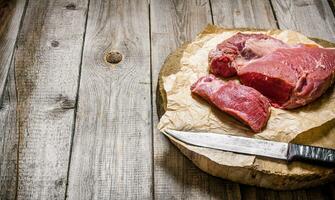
152 107
77 99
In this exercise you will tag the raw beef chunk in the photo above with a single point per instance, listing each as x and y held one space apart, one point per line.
291 77
234 52
244 103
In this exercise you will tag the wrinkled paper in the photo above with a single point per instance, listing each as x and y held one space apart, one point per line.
190 113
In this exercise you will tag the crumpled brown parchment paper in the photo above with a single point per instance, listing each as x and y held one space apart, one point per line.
313 124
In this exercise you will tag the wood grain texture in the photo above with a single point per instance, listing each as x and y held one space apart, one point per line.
310 17
8 140
112 147
173 23
11 12
243 13
47 63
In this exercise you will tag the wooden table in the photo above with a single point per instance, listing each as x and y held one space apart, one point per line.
74 126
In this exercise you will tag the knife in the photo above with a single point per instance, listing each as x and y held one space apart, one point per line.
265 148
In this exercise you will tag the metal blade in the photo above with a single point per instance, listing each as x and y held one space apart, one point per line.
232 143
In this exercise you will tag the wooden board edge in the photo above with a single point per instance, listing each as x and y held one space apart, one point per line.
161 102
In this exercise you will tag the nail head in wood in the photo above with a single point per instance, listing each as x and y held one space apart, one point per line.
113 57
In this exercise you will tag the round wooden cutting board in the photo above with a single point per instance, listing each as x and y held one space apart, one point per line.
268 173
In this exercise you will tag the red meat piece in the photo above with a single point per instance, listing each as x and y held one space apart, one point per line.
234 52
291 77
242 102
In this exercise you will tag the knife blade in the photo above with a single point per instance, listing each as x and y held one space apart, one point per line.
258 147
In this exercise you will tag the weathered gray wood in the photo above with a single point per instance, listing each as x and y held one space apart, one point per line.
112 147
173 23
11 13
47 64
8 140
313 18
243 13
10 17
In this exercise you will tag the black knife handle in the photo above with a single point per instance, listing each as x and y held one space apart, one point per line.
311 154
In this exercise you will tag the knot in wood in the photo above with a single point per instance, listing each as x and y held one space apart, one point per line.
70 6
113 57
54 43
65 103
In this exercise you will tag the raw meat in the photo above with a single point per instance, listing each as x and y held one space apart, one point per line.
234 52
291 77
244 103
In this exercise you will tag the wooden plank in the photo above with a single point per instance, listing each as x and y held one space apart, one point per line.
173 23
8 140
10 17
243 13
313 18
11 13
112 147
47 62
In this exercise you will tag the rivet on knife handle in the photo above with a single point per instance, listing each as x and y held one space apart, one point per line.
311 154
